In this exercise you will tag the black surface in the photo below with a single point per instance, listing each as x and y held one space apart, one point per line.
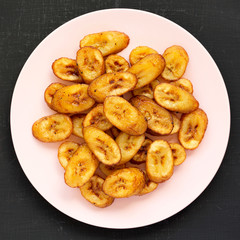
24 214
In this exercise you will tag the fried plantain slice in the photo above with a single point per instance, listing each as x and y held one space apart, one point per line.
72 99
77 121
66 69
66 151
124 116
179 153
92 191
97 119
53 128
139 53
50 91
159 120
124 182
107 170
102 145
175 98
111 84
159 163
185 84
176 124
90 63
81 167
129 145
108 42
115 131
148 69
150 186
141 155
116 63
192 129
176 59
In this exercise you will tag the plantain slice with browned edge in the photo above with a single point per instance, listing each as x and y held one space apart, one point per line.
179 153
111 84
97 119
141 155
81 167
175 98
176 124
159 120
192 129
66 69
115 131
116 63
147 69
92 191
90 63
159 163
139 53
129 145
124 116
50 91
176 59
108 42
77 121
107 170
102 145
150 186
53 128
72 99
66 151
184 83
124 183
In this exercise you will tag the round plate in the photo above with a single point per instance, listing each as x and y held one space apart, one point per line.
39 160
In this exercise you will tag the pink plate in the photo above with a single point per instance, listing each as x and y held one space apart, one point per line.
39 160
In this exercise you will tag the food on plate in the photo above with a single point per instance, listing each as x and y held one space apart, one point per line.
107 170
111 84
66 69
92 191
139 53
53 128
176 59
150 186
97 119
72 99
129 145
141 155
102 145
77 121
108 42
176 123
147 69
159 163
192 129
179 153
159 120
116 63
124 182
50 91
81 167
175 98
124 116
185 84
66 151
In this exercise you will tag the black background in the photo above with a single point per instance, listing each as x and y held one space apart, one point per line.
24 214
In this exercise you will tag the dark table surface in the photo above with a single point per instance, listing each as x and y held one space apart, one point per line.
24 214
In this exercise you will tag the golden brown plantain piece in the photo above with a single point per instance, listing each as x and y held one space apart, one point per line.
77 121
102 145
111 84
179 153
124 116
66 69
124 182
159 163
66 151
90 63
176 59
72 99
115 131
108 42
116 63
147 69
150 186
192 129
185 84
175 98
176 124
53 128
107 170
92 191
